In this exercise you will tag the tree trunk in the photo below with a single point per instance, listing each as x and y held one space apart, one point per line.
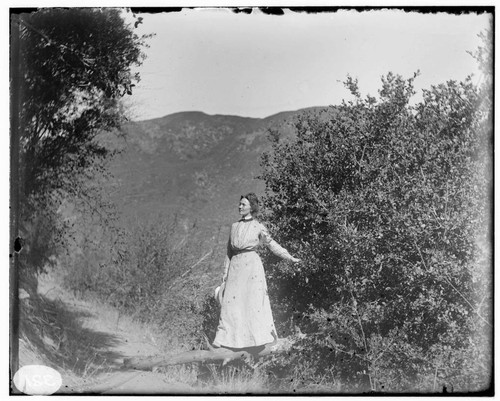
212 355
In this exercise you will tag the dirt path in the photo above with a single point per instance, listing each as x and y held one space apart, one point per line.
88 341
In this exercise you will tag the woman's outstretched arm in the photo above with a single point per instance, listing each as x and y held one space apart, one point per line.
276 248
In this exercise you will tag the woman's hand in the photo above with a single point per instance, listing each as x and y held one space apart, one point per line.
296 261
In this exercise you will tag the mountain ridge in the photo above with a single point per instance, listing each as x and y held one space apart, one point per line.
192 167
200 112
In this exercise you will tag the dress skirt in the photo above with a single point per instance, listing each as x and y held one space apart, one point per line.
246 319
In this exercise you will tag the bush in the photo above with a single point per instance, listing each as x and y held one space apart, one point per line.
132 271
388 205
210 313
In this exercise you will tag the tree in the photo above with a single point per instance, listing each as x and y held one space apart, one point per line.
386 203
75 66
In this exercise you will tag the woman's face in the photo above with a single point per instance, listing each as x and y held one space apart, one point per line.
244 207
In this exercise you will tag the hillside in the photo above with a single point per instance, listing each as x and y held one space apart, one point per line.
177 183
193 167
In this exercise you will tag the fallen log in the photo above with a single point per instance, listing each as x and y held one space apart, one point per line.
213 355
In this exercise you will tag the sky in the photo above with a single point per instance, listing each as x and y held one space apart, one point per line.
255 65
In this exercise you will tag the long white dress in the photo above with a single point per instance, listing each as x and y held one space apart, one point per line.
246 319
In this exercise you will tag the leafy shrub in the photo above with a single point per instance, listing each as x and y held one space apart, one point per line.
387 204
134 272
210 317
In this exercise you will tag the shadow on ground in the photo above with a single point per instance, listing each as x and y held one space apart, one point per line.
57 336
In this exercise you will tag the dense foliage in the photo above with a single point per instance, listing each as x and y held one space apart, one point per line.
75 65
389 206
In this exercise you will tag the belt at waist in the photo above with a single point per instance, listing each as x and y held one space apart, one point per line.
238 251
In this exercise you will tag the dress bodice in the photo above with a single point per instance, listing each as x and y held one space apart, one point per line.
247 235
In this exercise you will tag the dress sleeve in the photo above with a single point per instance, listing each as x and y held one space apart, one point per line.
273 246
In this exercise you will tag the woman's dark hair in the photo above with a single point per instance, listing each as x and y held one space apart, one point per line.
254 202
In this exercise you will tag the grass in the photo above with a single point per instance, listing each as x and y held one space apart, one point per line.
86 340
186 374
83 339
51 334
236 380
59 330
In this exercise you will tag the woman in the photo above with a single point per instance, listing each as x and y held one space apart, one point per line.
246 319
